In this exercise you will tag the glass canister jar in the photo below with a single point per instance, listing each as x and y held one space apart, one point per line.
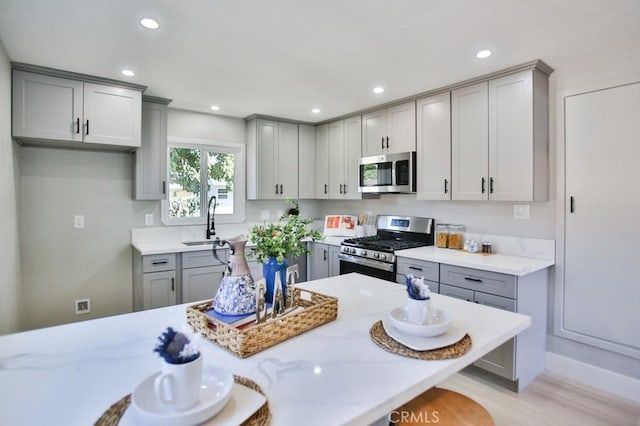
456 237
442 235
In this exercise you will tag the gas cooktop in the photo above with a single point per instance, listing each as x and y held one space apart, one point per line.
381 243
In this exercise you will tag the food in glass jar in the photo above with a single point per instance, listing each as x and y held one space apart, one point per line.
443 239
456 241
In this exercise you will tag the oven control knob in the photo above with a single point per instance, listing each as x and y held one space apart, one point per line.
363 253
383 256
345 250
376 255
353 251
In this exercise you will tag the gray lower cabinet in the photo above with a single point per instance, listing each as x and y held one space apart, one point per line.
201 274
323 261
522 358
430 271
154 281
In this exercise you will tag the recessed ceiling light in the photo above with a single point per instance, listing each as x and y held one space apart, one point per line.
316 110
128 73
215 108
483 54
378 90
149 23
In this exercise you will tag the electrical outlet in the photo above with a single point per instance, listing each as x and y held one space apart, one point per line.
148 219
521 211
78 221
264 215
83 306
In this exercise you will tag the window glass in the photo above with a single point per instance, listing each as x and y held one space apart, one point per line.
221 178
184 182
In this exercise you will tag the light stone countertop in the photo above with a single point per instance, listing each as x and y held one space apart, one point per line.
331 375
506 264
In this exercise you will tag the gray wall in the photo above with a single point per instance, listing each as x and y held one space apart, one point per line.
9 179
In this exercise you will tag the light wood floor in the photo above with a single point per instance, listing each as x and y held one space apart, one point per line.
548 400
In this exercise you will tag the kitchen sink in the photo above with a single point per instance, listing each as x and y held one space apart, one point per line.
199 243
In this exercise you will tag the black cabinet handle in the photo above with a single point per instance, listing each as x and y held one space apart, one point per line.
78 125
325 188
572 207
324 255
382 147
164 186
276 188
87 126
173 284
345 188
387 142
490 185
415 268
160 262
475 280
281 192
446 184
482 185
341 188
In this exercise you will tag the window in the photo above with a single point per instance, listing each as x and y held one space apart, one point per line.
200 173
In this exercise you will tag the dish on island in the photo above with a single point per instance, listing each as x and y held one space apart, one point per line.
453 335
438 323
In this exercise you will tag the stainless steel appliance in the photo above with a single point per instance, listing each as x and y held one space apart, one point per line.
375 255
389 173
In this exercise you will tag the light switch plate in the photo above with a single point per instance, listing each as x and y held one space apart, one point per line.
78 221
148 219
521 211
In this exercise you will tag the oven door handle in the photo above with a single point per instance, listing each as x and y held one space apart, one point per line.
366 262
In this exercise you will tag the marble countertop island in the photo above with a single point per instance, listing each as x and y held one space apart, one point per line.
334 374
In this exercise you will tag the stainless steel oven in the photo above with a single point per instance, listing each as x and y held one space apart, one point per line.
375 255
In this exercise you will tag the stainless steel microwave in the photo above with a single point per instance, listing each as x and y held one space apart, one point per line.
388 173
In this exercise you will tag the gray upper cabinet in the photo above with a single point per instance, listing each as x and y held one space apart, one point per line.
389 130
150 182
272 160
306 161
499 139
433 146
53 108
322 162
344 140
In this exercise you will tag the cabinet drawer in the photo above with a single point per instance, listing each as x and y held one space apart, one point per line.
457 292
499 302
196 259
477 280
159 262
418 268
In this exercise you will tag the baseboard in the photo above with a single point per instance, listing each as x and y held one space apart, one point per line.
595 377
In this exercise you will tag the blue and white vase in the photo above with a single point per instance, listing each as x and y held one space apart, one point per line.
237 292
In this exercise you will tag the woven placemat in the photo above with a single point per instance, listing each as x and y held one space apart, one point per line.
112 416
382 339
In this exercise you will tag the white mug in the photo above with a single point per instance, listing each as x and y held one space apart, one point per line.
178 386
418 310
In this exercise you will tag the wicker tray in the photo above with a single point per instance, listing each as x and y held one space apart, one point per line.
318 309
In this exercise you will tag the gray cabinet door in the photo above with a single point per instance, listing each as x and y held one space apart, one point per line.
159 289
46 107
500 361
457 292
201 283
419 268
319 261
478 280
334 261
151 158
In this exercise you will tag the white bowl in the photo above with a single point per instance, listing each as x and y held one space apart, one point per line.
438 323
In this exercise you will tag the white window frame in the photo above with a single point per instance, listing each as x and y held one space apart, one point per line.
239 198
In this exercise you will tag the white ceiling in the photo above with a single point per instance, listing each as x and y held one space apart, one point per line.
285 57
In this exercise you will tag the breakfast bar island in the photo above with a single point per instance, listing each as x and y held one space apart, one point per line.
333 374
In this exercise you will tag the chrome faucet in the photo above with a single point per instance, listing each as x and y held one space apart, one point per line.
211 220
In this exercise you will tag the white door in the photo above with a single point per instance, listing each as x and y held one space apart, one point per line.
401 128
352 146
511 137
266 163
470 143
112 115
46 107
287 164
306 161
434 147
322 161
374 133
601 288
336 160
